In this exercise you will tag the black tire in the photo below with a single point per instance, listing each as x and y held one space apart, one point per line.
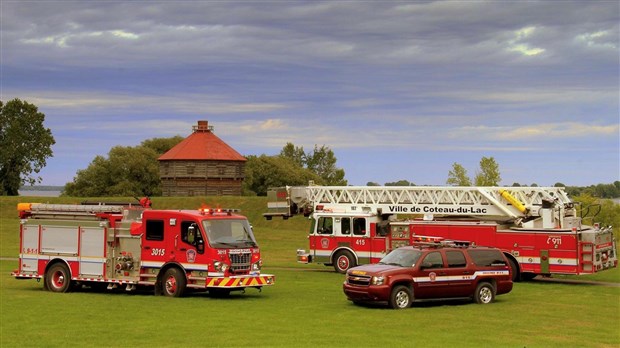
400 297
514 269
485 293
58 278
173 283
528 276
343 260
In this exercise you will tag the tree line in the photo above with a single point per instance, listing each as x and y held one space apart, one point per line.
25 145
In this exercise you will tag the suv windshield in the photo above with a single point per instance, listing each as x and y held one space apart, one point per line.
229 233
401 257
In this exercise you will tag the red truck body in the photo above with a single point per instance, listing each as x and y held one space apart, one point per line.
130 246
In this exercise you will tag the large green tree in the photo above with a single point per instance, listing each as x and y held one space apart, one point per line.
294 153
25 145
597 210
321 161
400 183
458 176
127 171
263 172
489 173
162 145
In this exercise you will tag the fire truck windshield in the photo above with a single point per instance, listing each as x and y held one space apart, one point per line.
401 257
229 233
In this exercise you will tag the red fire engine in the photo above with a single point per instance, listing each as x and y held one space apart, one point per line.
536 227
125 245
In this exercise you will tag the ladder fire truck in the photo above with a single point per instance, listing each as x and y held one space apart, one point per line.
536 227
127 246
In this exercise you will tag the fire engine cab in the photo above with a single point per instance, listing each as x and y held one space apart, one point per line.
537 228
126 246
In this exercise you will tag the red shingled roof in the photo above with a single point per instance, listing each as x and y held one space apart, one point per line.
202 145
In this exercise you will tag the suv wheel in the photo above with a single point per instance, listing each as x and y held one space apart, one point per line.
400 297
485 293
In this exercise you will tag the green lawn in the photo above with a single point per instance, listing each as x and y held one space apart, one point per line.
305 308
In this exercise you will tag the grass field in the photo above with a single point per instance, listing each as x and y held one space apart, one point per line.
305 308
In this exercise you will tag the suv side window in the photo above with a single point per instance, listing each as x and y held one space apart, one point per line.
487 257
456 259
433 260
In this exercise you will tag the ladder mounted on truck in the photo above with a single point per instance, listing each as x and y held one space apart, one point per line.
519 204
88 211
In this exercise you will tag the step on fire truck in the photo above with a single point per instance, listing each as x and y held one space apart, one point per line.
536 227
127 246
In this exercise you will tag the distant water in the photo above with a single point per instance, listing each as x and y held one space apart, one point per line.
36 193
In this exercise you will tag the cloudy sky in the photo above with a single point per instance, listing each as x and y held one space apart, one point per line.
398 90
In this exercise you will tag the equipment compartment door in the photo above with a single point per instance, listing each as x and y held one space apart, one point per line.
92 251
544 261
30 248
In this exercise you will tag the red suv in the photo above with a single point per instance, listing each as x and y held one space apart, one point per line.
430 272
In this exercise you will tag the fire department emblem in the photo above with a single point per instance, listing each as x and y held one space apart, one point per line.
324 243
433 276
191 255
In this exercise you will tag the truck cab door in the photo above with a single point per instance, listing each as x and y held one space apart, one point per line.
191 245
322 240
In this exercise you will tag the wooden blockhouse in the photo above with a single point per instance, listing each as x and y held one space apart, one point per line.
202 165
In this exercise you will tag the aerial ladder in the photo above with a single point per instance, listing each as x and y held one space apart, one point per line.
528 207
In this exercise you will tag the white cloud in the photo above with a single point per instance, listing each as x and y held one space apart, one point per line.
598 39
543 131
519 42
87 102
559 95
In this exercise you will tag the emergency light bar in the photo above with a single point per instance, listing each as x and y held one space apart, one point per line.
213 211
426 239
438 241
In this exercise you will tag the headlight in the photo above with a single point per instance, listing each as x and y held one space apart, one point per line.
220 266
377 280
257 265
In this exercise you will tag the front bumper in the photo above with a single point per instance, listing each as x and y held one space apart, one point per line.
238 282
374 293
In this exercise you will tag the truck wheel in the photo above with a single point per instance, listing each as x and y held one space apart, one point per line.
400 297
514 269
343 260
485 293
58 278
174 283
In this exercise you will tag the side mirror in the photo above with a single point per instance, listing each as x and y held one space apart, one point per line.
426 265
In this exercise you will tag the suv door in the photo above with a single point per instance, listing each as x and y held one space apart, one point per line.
431 280
460 273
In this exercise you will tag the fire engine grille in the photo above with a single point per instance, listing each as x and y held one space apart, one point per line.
240 263
358 280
